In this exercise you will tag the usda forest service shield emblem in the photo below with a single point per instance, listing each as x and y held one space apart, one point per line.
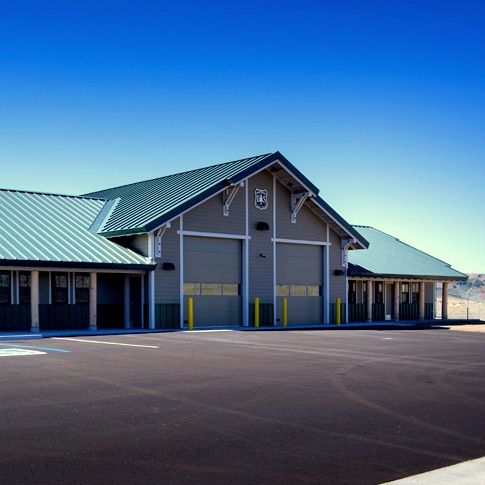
261 199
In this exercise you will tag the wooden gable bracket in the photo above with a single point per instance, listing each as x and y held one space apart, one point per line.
346 243
297 201
158 239
228 196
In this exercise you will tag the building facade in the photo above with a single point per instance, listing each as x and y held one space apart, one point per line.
227 237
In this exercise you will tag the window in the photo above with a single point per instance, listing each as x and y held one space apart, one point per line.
24 288
379 292
297 290
415 292
405 293
364 292
82 288
60 294
5 292
313 290
230 289
191 289
282 290
352 292
211 289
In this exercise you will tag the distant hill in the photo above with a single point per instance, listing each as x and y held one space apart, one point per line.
473 288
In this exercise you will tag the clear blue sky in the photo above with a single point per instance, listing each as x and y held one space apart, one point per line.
380 103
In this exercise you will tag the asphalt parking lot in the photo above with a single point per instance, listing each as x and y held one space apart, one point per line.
310 407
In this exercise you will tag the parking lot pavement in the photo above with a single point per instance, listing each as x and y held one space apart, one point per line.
360 407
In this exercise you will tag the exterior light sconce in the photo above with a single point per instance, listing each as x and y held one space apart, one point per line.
168 267
262 226
338 272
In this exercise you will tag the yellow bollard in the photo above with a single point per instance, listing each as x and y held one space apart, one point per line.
337 311
285 312
190 303
256 312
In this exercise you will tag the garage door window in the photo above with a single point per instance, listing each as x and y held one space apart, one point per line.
211 289
297 290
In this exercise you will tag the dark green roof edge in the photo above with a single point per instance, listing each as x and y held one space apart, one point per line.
77 265
348 227
214 189
352 274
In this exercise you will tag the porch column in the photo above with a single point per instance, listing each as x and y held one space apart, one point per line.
397 299
444 302
34 301
93 302
421 300
369 301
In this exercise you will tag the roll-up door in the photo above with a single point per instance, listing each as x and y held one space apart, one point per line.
212 276
299 269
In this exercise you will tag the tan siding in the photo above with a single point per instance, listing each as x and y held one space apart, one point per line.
208 216
261 268
337 283
308 226
167 283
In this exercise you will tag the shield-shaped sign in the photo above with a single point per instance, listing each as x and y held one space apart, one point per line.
261 199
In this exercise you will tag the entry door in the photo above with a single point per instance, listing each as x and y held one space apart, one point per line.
299 269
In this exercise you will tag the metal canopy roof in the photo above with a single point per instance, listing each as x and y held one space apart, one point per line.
144 206
388 257
49 230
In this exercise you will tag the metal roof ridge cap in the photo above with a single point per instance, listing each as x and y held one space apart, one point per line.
50 194
104 215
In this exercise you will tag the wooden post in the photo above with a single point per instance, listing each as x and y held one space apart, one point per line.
397 299
34 301
444 302
370 293
93 302
421 300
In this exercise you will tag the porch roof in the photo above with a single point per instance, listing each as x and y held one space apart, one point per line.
38 229
388 257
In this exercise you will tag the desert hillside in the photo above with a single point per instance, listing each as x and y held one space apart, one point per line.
465 298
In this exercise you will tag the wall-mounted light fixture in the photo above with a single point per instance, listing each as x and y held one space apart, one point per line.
168 267
262 226
338 272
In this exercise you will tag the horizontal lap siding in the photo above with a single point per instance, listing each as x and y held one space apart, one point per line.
167 283
261 245
308 226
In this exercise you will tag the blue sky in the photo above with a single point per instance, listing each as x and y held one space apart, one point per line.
381 104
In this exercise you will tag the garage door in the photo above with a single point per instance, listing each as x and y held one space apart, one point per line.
299 269
212 276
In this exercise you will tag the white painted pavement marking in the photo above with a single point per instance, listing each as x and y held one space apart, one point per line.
15 352
106 343
468 473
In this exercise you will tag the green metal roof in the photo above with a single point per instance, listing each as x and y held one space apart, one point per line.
388 257
54 230
144 206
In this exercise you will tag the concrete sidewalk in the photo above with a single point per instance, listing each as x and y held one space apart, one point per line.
467 473
384 325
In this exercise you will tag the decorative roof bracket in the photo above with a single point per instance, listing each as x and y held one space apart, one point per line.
346 243
297 201
158 239
228 196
